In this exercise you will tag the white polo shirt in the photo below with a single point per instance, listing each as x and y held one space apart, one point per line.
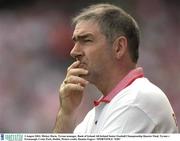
135 105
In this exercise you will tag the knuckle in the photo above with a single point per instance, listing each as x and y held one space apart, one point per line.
61 90
65 81
66 87
70 71
70 78
69 68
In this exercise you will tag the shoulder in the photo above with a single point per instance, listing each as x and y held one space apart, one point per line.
141 91
145 96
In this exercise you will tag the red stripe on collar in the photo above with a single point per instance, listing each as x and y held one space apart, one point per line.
126 81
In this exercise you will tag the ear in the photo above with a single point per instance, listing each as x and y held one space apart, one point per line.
120 46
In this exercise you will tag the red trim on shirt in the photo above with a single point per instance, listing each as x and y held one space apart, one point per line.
126 81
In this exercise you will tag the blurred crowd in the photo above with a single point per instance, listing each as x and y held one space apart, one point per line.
35 41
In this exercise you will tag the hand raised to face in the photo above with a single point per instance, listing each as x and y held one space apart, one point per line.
72 88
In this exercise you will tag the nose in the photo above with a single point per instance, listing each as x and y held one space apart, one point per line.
76 52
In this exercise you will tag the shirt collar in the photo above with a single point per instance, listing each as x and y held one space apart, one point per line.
126 81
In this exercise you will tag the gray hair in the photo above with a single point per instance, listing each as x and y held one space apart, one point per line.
113 22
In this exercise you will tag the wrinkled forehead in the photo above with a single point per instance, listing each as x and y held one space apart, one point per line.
84 27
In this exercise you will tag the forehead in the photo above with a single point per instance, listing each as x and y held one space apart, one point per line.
86 27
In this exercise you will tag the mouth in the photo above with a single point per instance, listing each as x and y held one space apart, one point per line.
83 65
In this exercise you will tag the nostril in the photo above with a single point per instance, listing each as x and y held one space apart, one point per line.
76 53
78 57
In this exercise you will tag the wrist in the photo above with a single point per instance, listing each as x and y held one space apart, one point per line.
66 113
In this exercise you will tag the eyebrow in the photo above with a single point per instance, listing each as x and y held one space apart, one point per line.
81 37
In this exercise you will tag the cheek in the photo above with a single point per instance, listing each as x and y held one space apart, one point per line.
97 58
97 62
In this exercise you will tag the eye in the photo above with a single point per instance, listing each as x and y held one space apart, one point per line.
87 40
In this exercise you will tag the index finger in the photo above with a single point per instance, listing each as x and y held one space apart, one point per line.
73 65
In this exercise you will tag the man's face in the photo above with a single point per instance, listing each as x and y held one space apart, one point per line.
91 49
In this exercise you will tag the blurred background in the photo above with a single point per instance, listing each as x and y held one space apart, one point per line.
35 41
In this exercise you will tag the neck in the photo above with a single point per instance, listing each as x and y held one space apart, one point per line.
113 77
